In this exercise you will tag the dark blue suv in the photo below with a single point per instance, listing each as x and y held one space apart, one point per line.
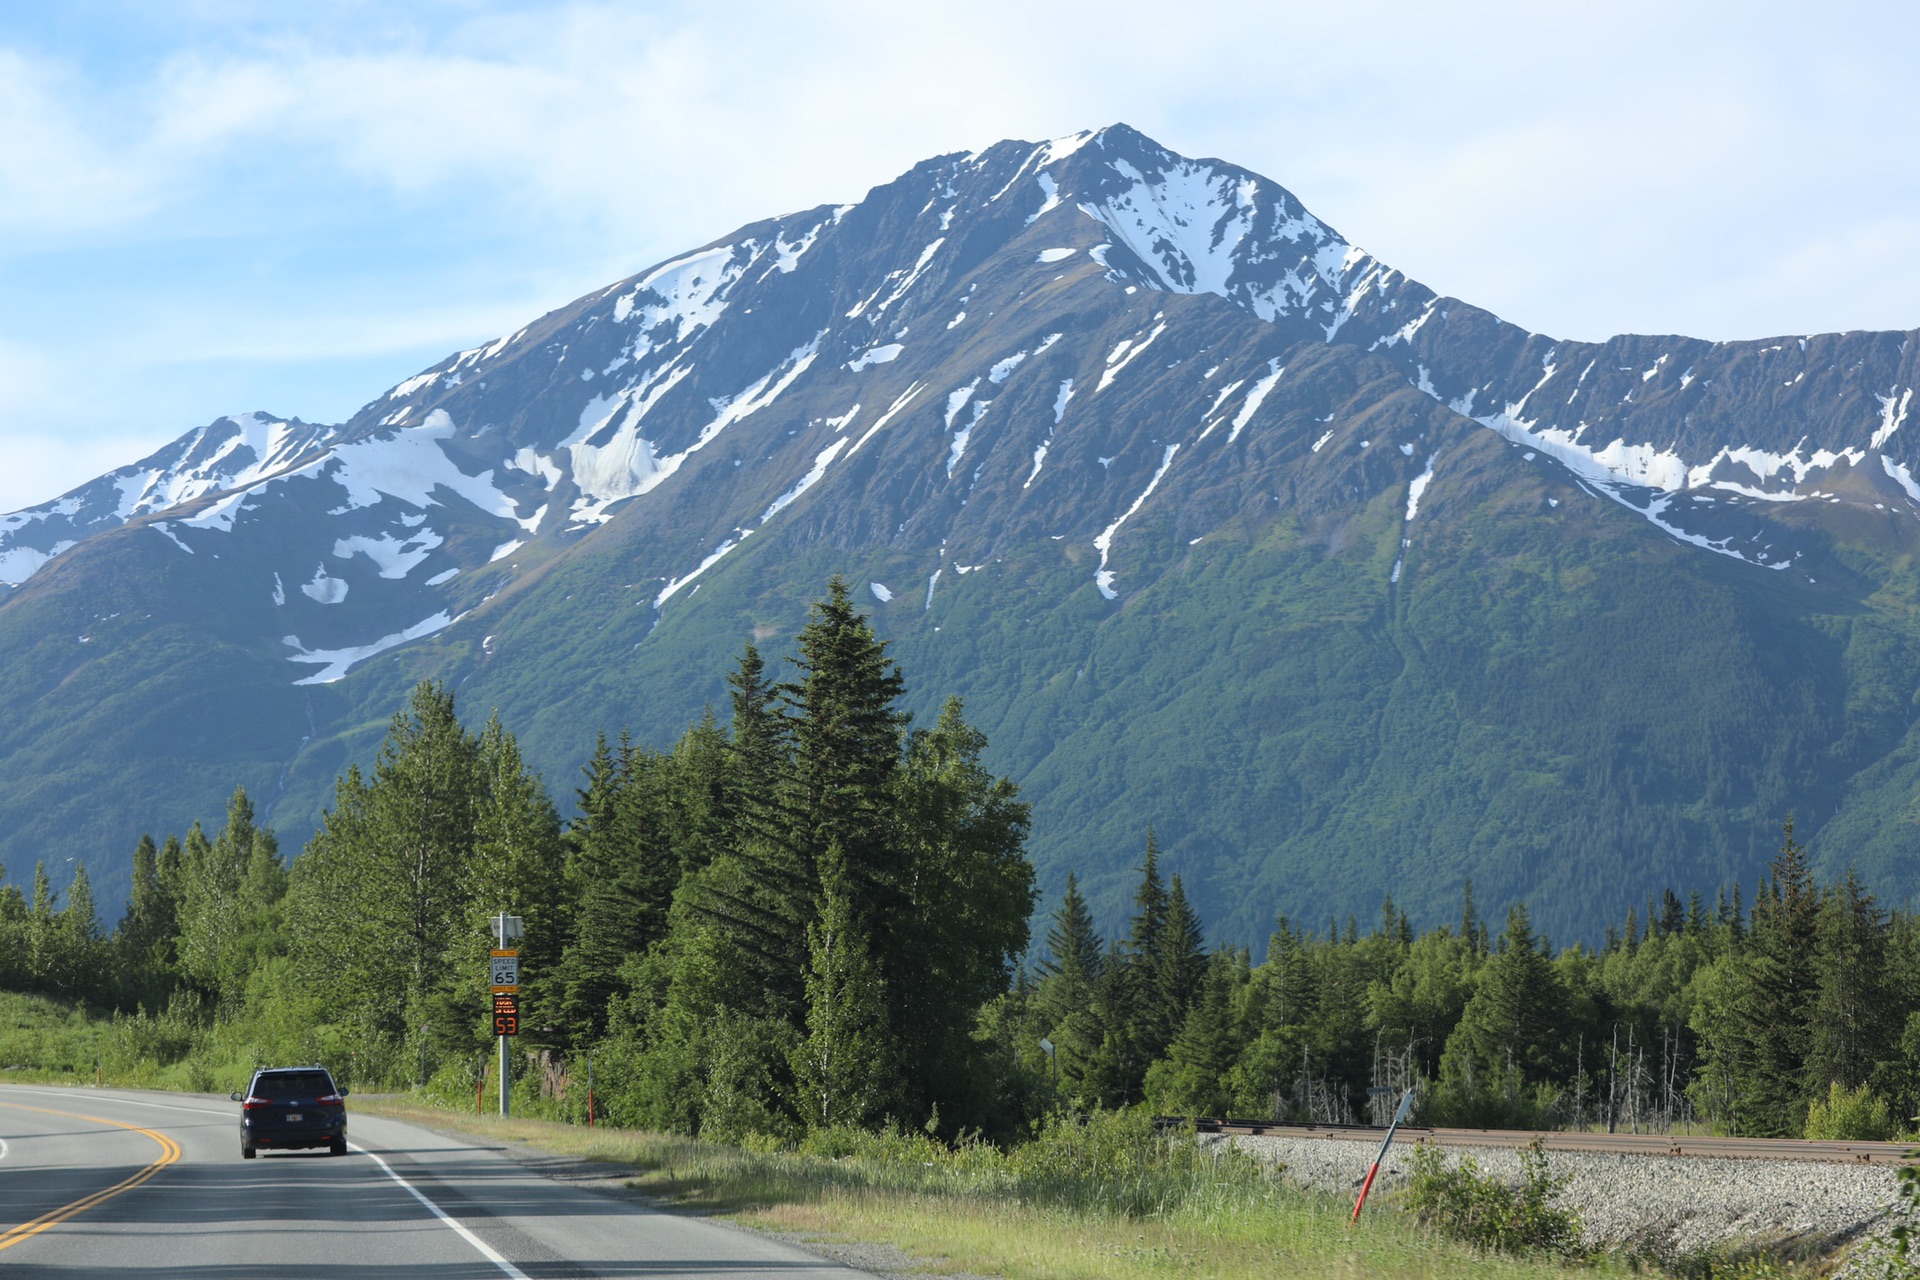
292 1107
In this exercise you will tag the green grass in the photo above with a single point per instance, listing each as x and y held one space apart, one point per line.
1107 1201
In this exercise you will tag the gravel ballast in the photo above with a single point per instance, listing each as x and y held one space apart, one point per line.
1672 1206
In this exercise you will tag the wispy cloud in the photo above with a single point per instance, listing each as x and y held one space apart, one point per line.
230 197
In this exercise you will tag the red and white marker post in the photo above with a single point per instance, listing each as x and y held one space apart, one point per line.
1406 1104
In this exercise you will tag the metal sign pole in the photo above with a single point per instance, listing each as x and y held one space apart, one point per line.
1406 1104
504 981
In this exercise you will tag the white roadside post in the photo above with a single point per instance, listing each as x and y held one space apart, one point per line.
504 975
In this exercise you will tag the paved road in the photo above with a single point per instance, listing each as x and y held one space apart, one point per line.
149 1185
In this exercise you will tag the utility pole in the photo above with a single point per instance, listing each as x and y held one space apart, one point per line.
505 981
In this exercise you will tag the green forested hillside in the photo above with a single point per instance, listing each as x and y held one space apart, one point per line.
1551 700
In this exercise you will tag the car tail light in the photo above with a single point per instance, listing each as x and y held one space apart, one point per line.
331 1100
254 1104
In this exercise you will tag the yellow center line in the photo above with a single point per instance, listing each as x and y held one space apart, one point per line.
169 1152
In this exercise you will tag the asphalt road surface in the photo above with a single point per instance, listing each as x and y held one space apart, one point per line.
147 1185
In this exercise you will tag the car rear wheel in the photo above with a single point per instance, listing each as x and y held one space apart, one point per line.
246 1151
338 1147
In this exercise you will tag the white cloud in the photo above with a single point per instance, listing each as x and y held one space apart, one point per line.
343 181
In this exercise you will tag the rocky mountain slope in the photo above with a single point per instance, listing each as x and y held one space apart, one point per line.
1216 522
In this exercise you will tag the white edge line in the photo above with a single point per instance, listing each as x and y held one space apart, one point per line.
487 1251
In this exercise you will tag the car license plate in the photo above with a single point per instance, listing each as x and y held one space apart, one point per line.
293 1117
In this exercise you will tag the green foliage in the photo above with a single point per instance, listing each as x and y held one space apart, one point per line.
1850 1115
843 1071
1464 1204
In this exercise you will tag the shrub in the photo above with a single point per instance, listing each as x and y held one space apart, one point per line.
1856 1115
1475 1208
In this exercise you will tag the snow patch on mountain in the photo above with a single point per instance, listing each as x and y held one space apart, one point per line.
805 482
1103 576
1060 400
335 663
688 293
1255 398
1417 489
394 557
714 557
1124 353
876 355
1891 416
322 589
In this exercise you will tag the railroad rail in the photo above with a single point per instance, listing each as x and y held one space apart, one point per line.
1649 1144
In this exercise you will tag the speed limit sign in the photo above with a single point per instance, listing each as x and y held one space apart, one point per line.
505 967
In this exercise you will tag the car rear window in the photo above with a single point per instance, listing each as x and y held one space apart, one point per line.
292 1084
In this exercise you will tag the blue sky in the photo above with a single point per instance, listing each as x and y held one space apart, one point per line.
214 206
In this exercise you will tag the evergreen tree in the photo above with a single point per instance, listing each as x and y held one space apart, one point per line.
231 888
1066 1000
963 899
42 936
516 865
701 819
1181 964
1853 1015
1512 1022
385 889
842 1070
141 926
623 871
1073 944
78 969
1772 1007
759 894
1193 1079
847 740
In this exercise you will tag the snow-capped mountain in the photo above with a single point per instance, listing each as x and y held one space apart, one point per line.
1035 396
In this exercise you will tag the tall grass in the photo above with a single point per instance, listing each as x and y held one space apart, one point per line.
1103 1198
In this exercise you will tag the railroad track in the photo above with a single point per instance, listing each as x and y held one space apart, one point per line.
1662 1144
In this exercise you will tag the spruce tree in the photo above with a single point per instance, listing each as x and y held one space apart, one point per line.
1150 1020
384 894
1073 944
1193 1078
1773 1008
1514 1017
759 892
42 951
847 738
78 970
516 865
965 895
1853 1012
1069 990
1181 964
623 872
843 1069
